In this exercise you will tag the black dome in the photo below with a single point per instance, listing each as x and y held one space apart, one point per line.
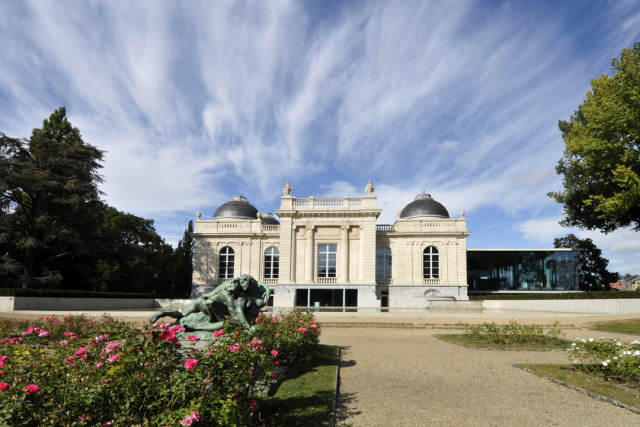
268 218
424 205
237 207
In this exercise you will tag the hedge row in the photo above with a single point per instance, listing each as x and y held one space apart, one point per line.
573 295
61 293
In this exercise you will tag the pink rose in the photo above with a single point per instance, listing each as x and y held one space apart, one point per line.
99 365
43 333
193 338
31 389
3 358
190 364
217 333
274 353
113 358
190 419
3 386
64 343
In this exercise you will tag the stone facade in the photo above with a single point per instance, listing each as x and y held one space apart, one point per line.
329 253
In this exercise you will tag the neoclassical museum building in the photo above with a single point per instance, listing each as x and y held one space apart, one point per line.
329 253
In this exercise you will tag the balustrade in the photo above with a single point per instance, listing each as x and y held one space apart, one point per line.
326 280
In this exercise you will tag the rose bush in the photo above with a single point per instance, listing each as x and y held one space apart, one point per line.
83 371
611 358
513 333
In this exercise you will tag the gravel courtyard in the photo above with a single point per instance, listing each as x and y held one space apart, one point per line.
407 377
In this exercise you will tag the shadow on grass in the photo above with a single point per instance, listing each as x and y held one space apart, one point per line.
306 396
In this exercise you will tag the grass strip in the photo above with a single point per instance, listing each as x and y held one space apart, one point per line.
306 396
469 342
621 394
628 326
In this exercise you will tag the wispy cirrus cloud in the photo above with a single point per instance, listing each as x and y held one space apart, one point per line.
197 101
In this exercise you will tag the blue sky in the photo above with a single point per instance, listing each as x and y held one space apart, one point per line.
194 102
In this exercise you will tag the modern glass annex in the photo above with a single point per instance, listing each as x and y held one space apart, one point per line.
522 270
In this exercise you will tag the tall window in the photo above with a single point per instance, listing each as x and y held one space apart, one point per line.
383 263
430 263
327 260
225 268
271 262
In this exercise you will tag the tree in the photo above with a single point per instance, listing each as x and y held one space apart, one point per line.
593 273
49 201
184 262
601 162
132 256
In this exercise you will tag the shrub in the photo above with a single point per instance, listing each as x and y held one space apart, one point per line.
513 333
82 371
293 336
608 357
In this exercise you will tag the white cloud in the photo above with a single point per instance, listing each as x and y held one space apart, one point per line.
197 101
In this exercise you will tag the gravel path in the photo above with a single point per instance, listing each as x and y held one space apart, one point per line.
407 377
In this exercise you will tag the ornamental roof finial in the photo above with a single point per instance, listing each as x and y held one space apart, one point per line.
287 189
370 189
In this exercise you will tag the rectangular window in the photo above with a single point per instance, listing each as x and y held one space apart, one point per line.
302 297
327 255
327 299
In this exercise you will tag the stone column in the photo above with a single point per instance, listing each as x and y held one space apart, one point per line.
343 266
292 236
309 255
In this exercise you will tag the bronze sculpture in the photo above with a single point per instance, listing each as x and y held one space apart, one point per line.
239 299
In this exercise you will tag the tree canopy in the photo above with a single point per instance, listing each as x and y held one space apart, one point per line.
55 231
601 161
593 274
49 191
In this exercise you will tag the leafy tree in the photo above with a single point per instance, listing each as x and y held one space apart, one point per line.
593 274
601 162
49 203
184 262
132 256
55 231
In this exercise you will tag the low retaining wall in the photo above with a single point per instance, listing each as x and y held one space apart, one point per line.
585 306
6 304
78 304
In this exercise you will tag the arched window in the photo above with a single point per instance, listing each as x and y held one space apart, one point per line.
383 263
430 263
271 262
225 267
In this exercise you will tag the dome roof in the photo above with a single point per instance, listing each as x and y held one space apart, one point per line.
268 218
237 207
424 205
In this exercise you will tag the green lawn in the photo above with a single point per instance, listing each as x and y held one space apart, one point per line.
468 341
630 326
305 398
567 374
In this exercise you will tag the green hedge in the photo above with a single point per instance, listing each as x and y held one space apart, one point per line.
573 295
61 293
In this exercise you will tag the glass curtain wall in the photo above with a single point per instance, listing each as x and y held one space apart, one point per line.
327 299
522 270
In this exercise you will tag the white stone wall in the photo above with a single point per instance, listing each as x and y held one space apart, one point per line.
350 223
